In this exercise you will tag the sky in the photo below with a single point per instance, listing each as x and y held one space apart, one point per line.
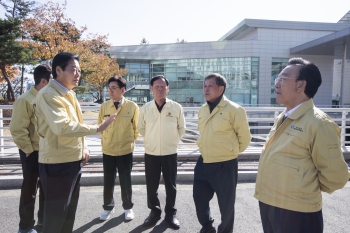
165 21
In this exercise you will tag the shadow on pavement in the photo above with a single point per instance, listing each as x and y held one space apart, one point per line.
162 227
87 226
111 223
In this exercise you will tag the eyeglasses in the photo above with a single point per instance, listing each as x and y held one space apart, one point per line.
282 80
113 88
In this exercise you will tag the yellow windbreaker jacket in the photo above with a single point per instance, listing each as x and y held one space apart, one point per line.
301 157
224 132
119 137
163 130
22 125
60 125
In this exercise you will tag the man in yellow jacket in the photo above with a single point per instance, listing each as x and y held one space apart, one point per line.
22 128
302 156
117 146
62 145
162 123
224 132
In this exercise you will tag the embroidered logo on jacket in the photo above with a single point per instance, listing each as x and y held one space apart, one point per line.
297 128
169 114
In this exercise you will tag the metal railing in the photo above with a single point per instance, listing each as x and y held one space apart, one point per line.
260 120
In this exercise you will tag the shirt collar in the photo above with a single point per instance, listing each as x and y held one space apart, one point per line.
121 101
290 112
63 87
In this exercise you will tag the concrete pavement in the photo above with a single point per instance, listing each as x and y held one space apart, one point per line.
247 220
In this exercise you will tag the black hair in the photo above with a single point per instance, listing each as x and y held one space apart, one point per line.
219 79
310 73
42 72
62 60
155 78
120 80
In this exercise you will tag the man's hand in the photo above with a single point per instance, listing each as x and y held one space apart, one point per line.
106 123
27 154
86 156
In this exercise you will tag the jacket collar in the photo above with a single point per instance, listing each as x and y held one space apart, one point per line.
306 106
111 102
167 103
33 91
222 103
59 89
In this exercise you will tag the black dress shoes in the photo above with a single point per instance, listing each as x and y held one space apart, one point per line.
174 222
151 220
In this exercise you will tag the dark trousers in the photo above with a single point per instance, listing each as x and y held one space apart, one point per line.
277 220
110 166
154 165
61 185
30 184
220 178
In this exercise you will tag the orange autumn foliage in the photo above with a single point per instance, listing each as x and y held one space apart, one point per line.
12 72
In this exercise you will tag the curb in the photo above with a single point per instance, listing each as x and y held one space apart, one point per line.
95 158
96 179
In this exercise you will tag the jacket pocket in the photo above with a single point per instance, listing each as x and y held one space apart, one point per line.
283 179
283 163
226 146
221 123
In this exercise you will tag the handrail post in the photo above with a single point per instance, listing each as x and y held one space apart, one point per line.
1 133
343 128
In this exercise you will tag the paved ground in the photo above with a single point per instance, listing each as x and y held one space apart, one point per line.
335 211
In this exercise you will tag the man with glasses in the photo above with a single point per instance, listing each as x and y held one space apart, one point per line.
162 124
302 156
224 133
118 142
22 128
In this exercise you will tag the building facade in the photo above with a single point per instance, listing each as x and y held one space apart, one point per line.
250 56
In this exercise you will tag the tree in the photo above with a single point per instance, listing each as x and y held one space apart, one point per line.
19 9
97 43
144 41
80 89
16 85
51 32
11 50
12 72
180 41
92 45
103 68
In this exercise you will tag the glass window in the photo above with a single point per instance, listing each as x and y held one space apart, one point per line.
277 66
158 69
242 74
170 69
171 76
